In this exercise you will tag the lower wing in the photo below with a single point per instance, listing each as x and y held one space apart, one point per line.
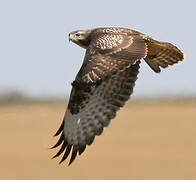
91 109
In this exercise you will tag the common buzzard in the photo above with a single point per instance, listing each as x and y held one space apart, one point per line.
106 80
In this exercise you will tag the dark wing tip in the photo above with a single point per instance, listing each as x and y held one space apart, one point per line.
66 154
61 139
66 147
67 151
73 155
76 149
60 129
81 149
61 150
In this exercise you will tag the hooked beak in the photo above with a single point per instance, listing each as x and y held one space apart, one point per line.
71 36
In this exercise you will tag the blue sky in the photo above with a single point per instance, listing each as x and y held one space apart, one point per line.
37 58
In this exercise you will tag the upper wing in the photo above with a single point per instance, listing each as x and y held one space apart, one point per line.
109 53
90 109
162 54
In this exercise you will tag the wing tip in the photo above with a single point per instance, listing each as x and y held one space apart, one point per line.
66 154
64 145
60 129
59 142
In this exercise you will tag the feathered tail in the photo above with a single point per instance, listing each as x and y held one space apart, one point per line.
162 54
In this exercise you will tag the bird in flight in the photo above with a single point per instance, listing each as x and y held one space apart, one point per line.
106 80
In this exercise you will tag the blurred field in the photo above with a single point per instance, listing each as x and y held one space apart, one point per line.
147 141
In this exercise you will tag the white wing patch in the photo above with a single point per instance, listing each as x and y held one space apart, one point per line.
109 41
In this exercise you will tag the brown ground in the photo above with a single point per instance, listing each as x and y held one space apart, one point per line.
147 141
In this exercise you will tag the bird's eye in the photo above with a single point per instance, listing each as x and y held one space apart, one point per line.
77 35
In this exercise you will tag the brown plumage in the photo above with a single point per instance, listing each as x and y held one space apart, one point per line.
162 54
106 80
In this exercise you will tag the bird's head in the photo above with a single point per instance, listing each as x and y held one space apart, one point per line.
81 38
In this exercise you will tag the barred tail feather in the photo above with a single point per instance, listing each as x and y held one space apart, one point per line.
162 54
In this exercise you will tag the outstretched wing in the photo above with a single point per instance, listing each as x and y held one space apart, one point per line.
162 54
90 109
109 53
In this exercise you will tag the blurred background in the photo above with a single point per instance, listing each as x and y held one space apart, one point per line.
153 137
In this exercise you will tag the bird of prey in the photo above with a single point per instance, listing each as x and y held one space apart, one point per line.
105 81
